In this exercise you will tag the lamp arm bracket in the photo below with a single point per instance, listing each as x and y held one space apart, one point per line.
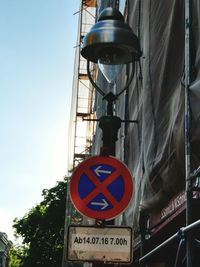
130 121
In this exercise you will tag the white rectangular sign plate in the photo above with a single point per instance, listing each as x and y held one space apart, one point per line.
106 244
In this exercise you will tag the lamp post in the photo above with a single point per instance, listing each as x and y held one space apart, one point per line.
111 44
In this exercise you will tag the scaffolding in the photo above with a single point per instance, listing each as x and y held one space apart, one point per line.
82 124
82 115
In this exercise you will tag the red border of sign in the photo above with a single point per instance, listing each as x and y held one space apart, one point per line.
79 203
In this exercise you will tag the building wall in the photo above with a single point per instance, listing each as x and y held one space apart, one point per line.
5 246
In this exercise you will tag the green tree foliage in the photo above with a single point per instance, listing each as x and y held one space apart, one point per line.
17 255
42 231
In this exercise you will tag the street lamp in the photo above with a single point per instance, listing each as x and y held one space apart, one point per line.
111 44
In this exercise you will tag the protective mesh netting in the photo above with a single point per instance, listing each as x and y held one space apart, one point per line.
153 149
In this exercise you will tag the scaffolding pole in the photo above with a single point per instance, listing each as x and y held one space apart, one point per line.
188 185
181 234
81 129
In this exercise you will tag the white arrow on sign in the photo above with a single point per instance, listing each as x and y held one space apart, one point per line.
104 204
98 171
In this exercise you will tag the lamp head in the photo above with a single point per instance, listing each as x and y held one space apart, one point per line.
111 41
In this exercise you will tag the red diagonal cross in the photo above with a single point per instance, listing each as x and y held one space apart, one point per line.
101 187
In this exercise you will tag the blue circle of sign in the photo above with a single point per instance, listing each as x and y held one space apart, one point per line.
100 202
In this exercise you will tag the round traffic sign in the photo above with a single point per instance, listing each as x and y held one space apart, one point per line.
101 187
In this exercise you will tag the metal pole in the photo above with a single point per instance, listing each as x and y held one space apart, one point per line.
67 215
188 185
185 231
156 250
109 125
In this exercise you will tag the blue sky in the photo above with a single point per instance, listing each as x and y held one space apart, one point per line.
36 70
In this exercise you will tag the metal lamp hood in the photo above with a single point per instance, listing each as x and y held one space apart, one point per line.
111 40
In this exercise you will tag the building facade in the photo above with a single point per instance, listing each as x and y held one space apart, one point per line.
5 246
